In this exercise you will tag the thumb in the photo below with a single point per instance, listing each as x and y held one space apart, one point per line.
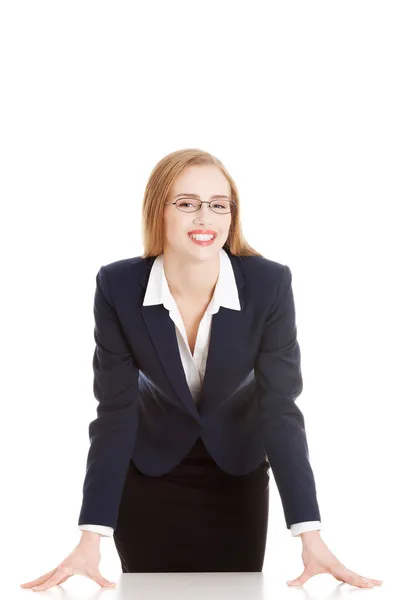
102 581
300 580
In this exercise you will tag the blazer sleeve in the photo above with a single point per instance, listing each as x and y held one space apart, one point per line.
112 433
279 383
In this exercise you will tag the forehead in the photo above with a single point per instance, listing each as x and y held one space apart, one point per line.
204 180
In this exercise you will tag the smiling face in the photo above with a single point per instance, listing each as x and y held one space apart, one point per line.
206 181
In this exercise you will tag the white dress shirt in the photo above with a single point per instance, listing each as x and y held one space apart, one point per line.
225 294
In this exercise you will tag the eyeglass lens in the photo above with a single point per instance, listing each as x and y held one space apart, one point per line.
191 205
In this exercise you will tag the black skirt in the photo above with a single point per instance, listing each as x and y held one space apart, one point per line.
195 518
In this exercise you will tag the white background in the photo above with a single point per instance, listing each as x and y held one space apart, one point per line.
300 101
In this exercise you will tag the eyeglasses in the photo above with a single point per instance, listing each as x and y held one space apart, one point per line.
192 205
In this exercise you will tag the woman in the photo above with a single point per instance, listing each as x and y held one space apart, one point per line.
196 371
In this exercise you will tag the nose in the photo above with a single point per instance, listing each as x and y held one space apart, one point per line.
203 214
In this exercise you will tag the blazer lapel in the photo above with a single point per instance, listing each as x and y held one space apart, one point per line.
225 348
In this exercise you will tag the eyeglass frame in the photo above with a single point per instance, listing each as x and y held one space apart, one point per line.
233 204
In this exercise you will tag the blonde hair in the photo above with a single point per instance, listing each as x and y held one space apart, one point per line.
157 191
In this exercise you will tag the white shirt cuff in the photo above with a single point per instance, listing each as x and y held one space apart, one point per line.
304 526
103 530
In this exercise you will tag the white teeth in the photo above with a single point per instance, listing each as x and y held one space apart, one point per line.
201 237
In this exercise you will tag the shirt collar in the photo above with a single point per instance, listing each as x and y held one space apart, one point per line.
225 292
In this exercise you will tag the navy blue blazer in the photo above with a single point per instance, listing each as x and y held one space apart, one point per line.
247 409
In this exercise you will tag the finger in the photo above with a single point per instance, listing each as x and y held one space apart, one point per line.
61 574
360 581
102 581
341 573
65 579
373 581
105 582
98 578
39 580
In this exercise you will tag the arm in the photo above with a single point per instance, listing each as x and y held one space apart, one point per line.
279 383
112 434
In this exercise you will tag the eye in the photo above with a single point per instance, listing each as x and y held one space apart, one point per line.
183 203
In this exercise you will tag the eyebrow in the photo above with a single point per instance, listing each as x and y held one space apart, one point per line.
197 196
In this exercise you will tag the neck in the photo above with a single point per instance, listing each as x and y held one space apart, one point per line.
188 277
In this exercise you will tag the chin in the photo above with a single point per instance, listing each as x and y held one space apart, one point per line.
203 252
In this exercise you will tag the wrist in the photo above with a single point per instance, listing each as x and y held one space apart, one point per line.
309 536
90 537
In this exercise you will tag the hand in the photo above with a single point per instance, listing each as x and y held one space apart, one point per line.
317 558
83 560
